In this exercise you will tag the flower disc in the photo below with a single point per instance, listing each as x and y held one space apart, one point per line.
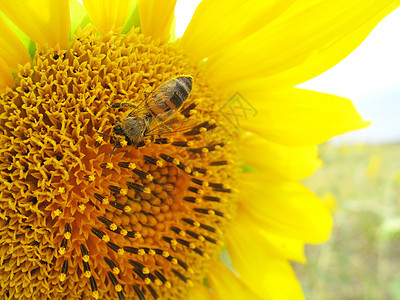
143 223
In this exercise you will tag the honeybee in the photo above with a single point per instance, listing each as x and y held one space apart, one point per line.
153 116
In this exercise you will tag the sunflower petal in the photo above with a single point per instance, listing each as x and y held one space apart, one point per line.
12 50
200 292
298 117
156 18
46 22
274 244
77 14
279 160
310 35
285 207
107 15
225 284
234 20
268 276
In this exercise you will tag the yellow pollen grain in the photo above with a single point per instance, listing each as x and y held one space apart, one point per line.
201 238
123 192
196 224
203 129
85 258
62 277
124 143
95 294
174 242
132 166
200 192
198 200
82 207
145 271
165 254
149 177
193 112
176 161
159 163
127 209
192 246
88 274
211 212
61 190
147 281
147 141
67 235
188 170
158 282
218 147
105 201
106 238
121 251
168 284
116 270
152 252
113 227
205 183
57 212
182 233
123 232
118 288
147 190
174 261
190 143
204 150
137 235
141 252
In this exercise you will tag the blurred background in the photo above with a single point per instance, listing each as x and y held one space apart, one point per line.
360 181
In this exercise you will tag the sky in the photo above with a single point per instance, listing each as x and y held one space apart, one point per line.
370 76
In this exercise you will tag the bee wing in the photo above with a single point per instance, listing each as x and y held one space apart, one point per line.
174 124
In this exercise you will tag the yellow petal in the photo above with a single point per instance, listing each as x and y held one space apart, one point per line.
6 79
156 18
46 22
12 50
312 35
216 25
273 159
268 276
225 284
274 244
107 15
298 117
285 208
200 292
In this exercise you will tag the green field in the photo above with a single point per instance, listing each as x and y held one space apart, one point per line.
362 258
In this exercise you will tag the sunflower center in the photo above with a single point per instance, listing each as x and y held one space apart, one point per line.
142 223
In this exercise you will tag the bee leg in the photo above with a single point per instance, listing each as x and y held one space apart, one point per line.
123 104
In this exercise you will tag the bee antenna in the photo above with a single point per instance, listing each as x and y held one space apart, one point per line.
104 134
112 151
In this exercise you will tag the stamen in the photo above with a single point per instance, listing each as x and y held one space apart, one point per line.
64 271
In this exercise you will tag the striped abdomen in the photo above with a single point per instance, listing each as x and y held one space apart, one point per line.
166 99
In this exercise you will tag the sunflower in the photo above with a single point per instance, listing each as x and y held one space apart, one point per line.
207 206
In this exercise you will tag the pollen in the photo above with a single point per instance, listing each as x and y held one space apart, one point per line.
143 223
